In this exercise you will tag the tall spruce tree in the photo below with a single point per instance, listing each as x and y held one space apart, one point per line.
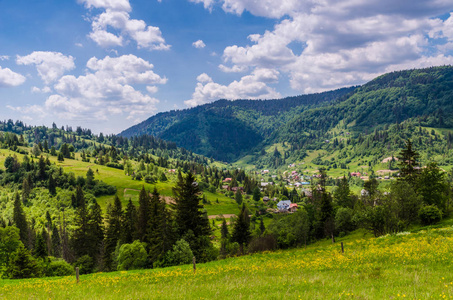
81 236
143 215
189 215
343 195
130 230
56 242
20 220
408 159
96 231
241 230
113 231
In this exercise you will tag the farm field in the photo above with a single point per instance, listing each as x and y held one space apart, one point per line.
406 265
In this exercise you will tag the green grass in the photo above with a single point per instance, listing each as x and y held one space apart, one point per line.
408 265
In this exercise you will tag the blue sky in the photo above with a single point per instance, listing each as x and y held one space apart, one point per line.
108 64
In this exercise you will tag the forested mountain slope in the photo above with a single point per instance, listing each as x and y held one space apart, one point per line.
229 130
226 130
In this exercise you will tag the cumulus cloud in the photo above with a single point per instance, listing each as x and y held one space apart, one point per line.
123 5
50 65
9 78
116 17
253 86
111 86
199 44
206 3
328 44
45 89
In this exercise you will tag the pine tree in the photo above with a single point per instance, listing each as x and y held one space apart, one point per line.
20 220
189 216
262 228
56 243
408 159
113 231
22 265
238 197
130 230
256 194
40 248
343 195
96 231
81 235
241 230
51 185
143 214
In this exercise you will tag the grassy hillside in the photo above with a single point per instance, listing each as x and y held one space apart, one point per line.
406 265
126 187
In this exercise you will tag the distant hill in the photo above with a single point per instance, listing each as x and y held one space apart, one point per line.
229 130
226 130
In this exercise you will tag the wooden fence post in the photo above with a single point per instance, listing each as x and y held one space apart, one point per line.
194 265
77 274
342 249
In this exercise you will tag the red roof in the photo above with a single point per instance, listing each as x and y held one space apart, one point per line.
227 179
293 205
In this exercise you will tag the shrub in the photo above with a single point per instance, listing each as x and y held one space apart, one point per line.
343 220
264 243
132 256
430 214
59 267
85 264
180 255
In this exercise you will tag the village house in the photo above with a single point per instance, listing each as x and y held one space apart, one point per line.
227 180
355 174
266 199
284 205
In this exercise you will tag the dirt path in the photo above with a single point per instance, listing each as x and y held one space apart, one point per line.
226 216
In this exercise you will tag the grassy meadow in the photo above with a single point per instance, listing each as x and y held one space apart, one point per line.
406 265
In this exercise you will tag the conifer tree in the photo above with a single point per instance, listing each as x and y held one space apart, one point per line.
81 235
20 220
22 265
51 185
189 216
130 230
40 248
241 230
143 214
343 195
56 243
112 232
95 230
408 159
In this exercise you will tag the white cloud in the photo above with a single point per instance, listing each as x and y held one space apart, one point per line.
111 88
234 69
252 86
152 89
50 65
116 17
121 5
206 3
4 57
199 44
45 89
9 78
327 44
35 110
